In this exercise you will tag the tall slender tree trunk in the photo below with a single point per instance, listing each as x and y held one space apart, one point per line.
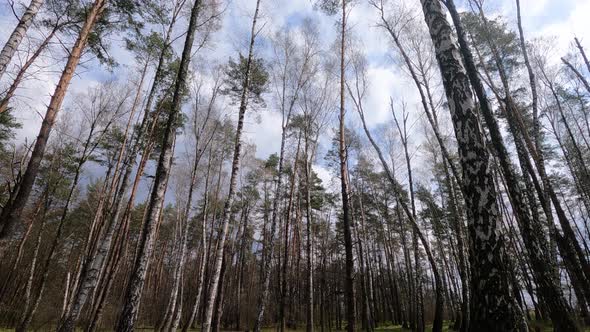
89 241
218 258
419 305
31 309
28 310
439 296
457 224
11 213
285 263
268 247
548 290
135 287
366 313
344 188
538 154
18 34
201 270
567 248
448 162
218 309
240 264
103 264
210 248
93 265
309 326
493 308
171 323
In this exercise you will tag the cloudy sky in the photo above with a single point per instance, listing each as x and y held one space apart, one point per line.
563 19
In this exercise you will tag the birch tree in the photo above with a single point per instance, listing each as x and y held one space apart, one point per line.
244 89
18 34
493 308
135 288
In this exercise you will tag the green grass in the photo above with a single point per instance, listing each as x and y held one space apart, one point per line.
399 328
544 327
382 328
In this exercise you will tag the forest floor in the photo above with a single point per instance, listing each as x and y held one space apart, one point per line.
446 328
399 328
386 328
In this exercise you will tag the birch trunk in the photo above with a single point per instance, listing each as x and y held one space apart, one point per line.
18 34
218 258
201 273
439 296
532 236
90 274
493 308
285 263
135 287
269 240
170 322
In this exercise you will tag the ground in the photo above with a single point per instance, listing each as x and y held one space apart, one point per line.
386 328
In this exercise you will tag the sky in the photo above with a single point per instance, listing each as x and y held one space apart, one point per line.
562 19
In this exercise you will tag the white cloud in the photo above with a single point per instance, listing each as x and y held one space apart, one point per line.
263 128
575 25
386 82
329 182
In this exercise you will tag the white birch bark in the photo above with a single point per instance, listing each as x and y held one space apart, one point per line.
18 34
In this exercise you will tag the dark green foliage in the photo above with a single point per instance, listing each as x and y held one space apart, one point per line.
160 127
226 133
305 124
118 16
431 211
496 31
109 146
272 162
8 124
330 7
147 46
80 217
235 75
318 193
164 106
57 170
353 143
